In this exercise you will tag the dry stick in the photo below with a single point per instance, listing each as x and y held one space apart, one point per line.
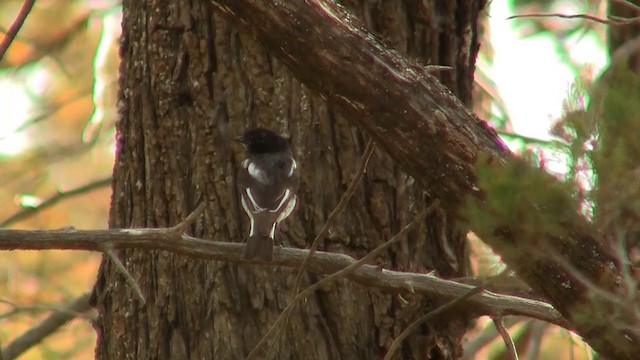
181 227
487 335
508 341
396 343
15 27
487 303
611 20
61 195
45 328
344 200
19 309
178 229
344 272
108 252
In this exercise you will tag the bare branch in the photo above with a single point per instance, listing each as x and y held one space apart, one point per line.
108 252
487 303
344 200
182 226
19 308
486 336
611 20
45 328
508 341
15 27
61 195
176 230
430 315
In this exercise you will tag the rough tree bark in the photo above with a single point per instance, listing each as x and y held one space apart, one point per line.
190 81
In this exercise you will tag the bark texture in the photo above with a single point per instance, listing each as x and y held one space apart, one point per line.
189 82
620 37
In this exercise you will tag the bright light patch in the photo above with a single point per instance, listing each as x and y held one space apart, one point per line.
28 201
533 80
15 106
110 31
38 80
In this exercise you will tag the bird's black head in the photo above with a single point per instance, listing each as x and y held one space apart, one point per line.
261 141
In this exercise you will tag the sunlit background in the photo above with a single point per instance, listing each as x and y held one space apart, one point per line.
57 111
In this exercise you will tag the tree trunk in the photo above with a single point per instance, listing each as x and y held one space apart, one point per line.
190 82
621 36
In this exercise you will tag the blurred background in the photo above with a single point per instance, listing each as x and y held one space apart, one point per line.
58 84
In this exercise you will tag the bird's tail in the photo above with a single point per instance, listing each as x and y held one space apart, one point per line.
259 247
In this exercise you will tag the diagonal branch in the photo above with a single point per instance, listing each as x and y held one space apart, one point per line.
128 278
611 20
15 27
344 200
46 328
61 195
430 315
508 341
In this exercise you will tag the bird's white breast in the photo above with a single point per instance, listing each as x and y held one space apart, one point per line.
257 173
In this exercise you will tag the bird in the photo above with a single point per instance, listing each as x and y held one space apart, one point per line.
267 183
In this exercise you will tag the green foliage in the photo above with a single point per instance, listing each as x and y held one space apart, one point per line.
616 160
619 128
505 190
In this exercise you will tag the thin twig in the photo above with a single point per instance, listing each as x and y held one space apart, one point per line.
487 335
178 229
342 273
18 309
27 5
182 226
508 341
47 327
61 195
344 200
437 68
124 272
611 20
414 325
